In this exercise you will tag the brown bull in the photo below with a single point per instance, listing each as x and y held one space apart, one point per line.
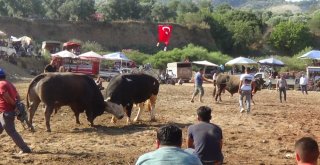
75 90
231 84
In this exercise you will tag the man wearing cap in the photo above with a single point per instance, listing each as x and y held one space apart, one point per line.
8 98
303 84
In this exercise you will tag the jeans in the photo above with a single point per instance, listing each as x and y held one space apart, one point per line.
7 124
284 91
304 89
197 90
246 94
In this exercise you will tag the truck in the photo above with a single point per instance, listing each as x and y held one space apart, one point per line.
179 71
292 82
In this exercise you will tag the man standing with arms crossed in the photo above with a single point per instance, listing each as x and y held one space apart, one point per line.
245 88
8 98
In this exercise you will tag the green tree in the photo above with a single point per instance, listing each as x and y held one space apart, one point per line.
22 8
77 9
121 10
51 8
186 7
160 12
314 22
290 37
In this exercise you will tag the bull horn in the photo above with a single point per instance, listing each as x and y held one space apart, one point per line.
109 98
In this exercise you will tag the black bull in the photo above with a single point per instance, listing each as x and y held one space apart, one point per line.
128 89
78 91
231 84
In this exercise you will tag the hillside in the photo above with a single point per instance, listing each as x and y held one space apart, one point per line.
113 36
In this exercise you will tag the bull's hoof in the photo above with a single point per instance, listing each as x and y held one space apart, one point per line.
113 121
136 120
48 130
153 119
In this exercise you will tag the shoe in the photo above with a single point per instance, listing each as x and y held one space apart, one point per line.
242 110
191 101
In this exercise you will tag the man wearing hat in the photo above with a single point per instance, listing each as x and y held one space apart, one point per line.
8 98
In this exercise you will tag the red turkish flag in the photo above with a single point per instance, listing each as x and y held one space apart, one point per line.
164 33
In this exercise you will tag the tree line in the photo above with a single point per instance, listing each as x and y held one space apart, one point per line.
235 31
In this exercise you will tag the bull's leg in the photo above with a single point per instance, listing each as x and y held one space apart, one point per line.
76 113
252 99
113 119
32 110
128 111
152 106
140 106
48 112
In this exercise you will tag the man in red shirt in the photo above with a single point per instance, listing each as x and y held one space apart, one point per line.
8 98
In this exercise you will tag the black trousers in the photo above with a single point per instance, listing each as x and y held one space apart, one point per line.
284 91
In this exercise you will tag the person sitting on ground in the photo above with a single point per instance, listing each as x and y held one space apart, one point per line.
307 151
62 69
99 83
206 138
169 141
50 67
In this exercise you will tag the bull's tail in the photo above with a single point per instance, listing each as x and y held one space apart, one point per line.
34 82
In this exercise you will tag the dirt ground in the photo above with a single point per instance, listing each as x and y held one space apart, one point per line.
266 136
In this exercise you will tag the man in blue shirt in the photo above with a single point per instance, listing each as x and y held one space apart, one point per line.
169 152
198 81
205 138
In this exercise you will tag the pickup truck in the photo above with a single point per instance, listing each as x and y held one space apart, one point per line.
292 82
108 74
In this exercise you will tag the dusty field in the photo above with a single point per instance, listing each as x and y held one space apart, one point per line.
266 136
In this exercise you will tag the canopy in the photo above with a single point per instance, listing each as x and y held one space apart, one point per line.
90 55
71 44
241 61
117 56
64 54
313 54
205 63
2 34
271 61
24 39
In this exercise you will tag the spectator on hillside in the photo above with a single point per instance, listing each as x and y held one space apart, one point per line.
169 141
206 138
307 151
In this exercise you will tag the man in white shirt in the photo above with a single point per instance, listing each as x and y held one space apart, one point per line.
303 84
245 88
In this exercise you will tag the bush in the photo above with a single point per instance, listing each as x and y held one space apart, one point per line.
91 46
137 56
191 52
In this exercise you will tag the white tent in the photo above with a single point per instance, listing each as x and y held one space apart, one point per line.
205 63
64 54
117 56
313 54
241 61
90 54
271 61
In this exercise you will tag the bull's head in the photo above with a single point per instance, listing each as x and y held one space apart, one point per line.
258 84
113 108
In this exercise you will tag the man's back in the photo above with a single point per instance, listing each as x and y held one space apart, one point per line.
168 156
207 141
